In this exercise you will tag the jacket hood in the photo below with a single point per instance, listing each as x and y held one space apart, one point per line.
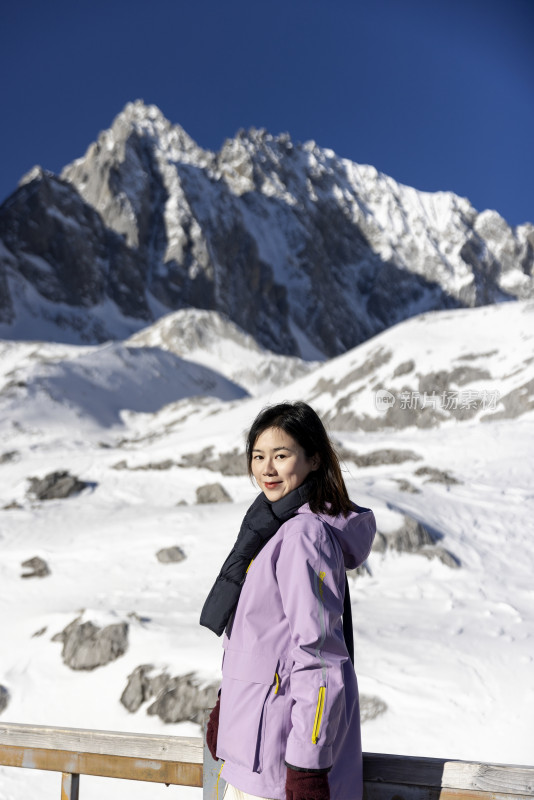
355 533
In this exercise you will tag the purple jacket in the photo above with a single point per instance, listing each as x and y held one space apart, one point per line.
289 691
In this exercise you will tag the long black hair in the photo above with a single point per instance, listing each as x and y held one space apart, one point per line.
299 420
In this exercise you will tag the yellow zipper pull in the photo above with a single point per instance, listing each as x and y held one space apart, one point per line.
318 715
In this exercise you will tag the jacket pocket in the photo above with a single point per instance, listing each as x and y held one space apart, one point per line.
248 683
316 732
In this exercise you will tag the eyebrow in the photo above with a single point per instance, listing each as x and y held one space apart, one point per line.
257 449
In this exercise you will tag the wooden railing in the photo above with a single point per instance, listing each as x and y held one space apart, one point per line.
186 761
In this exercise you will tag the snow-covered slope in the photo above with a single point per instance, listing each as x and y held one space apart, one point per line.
208 338
449 651
89 388
309 253
445 365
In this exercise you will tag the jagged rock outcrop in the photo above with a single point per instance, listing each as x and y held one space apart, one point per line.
309 253
86 646
212 493
60 245
177 699
377 457
433 475
56 486
171 555
413 537
38 568
167 463
183 698
410 537
232 463
141 687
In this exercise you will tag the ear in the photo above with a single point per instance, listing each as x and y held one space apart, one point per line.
315 462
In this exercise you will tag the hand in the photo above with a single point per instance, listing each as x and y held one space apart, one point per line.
302 785
213 729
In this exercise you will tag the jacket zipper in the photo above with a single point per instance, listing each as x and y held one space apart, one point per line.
230 623
318 715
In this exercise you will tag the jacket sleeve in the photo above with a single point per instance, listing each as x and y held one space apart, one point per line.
309 571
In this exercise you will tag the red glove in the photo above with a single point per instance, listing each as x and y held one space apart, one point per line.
302 785
213 729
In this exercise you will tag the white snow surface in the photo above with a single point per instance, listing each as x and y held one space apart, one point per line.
450 651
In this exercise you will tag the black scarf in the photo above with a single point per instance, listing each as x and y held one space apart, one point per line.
260 523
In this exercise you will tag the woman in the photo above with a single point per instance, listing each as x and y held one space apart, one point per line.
287 721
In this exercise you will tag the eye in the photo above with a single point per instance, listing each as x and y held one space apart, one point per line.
257 458
281 455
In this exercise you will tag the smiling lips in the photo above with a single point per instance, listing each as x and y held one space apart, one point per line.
271 485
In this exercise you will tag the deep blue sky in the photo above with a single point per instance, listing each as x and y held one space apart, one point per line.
439 94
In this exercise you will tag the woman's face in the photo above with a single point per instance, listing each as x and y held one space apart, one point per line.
279 463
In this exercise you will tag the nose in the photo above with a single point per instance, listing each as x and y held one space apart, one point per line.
269 467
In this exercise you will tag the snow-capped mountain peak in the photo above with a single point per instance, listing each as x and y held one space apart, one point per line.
309 253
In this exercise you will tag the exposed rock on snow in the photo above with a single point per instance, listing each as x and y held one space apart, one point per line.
86 646
37 566
409 538
516 402
168 463
371 707
413 537
232 463
4 698
177 699
183 698
56 486
434 475
212 493
443 555
11 455
140 687
171 555
378 457
406 486
404 369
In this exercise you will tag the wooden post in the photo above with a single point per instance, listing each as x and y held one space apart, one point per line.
70 786
213 785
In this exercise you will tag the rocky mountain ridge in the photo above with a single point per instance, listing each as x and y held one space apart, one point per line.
309 253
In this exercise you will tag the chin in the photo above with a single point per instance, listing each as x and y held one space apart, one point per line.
273 494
